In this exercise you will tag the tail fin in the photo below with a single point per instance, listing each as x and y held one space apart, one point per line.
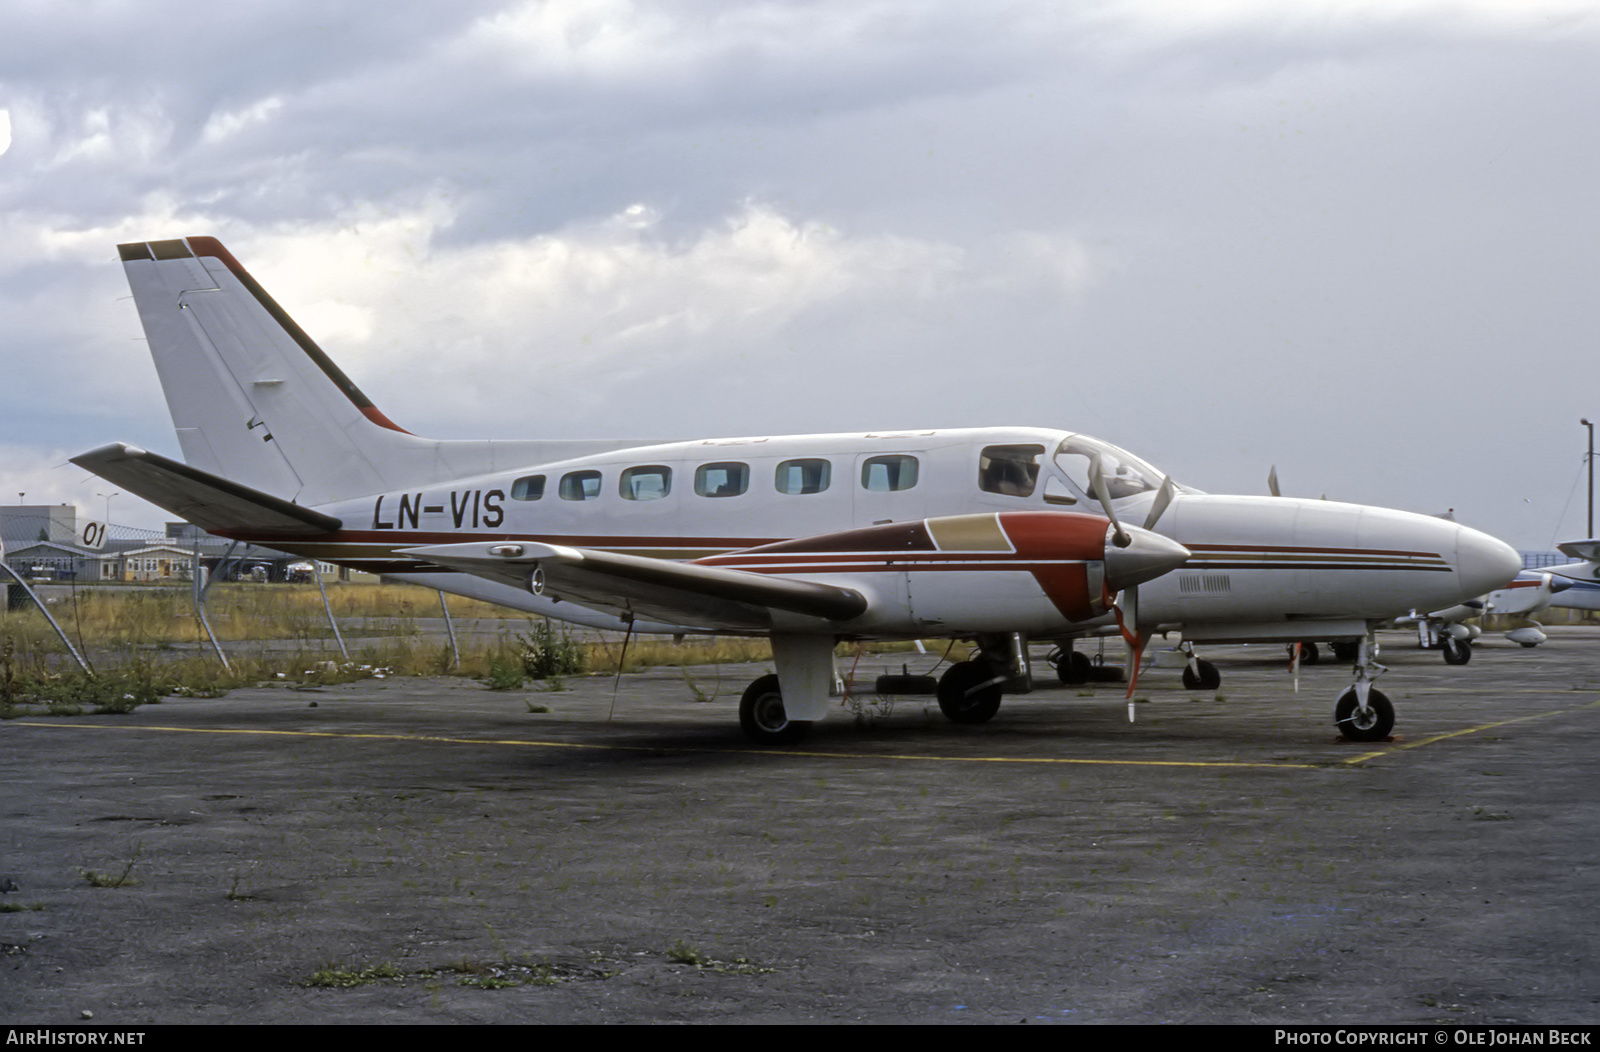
255 400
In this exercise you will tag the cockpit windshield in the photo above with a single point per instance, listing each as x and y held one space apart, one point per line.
1079 457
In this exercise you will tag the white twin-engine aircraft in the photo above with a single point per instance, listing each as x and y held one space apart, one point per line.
994 535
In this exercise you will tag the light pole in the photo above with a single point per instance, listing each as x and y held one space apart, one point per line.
108 497
1590 426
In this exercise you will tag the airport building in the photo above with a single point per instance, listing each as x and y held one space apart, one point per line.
41 543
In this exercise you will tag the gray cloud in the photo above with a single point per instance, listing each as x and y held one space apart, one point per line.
1356 241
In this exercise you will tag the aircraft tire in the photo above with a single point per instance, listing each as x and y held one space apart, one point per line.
1374 726
1309 654
1346 651
1073 668
969 692
762 717
1208 679
1456 651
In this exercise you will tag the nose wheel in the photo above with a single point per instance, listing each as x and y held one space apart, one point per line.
1370 724
1363 713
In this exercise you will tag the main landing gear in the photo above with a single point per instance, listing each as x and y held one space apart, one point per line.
1198 674
970 691
1454 642
762 716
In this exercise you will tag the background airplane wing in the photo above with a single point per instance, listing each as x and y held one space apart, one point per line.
680 593
1588 550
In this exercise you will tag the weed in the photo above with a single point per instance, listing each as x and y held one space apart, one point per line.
548 653
235 895
337 977
694 688
681 952
124 879
504 674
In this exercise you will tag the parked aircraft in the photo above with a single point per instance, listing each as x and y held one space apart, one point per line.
995 535
1574 585
1584 591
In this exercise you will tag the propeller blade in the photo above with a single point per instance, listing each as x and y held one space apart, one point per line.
1096 473
1272 481
1158 507
1128 625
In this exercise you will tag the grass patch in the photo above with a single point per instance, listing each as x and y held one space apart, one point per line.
338 977
681 952
147 644
510 971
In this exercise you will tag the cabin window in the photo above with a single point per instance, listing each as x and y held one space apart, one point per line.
1009 470
810 475
651 482
889 474
726 479
580 485
528 487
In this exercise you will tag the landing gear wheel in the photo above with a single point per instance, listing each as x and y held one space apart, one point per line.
1372 725
1309 654
1208 679
970 692
1345 651
1073 668
762 717
1456 651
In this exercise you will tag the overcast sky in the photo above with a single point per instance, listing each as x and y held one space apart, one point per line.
1356 240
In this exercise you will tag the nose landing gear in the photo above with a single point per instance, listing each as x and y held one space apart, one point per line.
1363 713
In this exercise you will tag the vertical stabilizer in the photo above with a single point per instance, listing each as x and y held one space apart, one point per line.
252 397
255 400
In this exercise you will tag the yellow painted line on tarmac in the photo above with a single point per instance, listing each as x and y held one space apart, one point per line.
1435 738
333 734
771 753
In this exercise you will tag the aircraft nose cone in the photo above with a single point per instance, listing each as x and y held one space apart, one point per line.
1147 556
1484 563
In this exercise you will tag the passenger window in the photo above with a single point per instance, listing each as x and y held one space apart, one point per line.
1009 470
580 485
889 474
651 482
528 487
727 479
810 475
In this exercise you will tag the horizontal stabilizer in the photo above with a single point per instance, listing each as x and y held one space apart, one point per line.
671 591
211 503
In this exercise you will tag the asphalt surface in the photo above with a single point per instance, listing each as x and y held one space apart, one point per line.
452 856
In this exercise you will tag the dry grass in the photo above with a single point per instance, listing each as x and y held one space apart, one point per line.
153 633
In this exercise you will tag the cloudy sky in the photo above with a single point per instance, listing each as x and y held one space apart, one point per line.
1357 240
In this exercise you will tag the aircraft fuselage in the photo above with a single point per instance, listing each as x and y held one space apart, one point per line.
1265 567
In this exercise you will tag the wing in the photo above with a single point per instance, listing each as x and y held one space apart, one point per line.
1587 550
656 589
